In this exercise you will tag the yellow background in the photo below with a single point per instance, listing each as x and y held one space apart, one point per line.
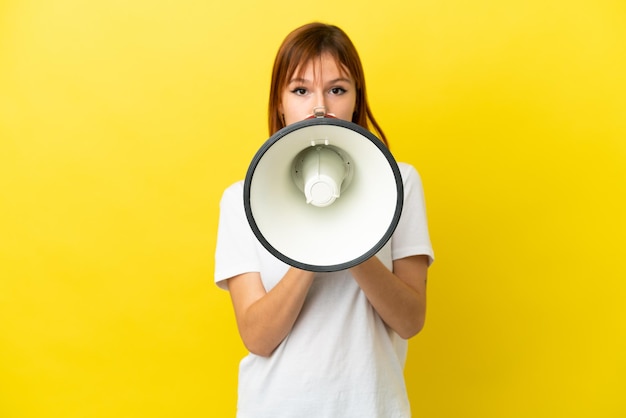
121 122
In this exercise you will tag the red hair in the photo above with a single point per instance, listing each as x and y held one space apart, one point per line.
302 46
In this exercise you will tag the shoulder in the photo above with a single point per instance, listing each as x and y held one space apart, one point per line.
409 174
235 188
233 193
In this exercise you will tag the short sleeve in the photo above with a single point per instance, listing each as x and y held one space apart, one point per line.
411 236
235 251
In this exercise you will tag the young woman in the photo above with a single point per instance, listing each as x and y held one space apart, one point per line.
324 344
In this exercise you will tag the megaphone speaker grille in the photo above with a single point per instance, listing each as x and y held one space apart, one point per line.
330 237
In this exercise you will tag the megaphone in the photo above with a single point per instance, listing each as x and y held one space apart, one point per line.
323 194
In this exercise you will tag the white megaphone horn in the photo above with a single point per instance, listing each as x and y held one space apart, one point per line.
323 194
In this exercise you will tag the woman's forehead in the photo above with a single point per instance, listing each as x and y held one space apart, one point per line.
322 62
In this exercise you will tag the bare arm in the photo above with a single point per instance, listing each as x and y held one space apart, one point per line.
399 297
265 318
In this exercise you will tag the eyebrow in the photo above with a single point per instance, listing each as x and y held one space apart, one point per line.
304 80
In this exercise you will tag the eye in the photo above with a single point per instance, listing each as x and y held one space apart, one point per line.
300 91
337 91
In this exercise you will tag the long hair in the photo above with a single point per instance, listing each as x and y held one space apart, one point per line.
302 46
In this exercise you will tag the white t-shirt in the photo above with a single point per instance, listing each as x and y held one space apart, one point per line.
340 360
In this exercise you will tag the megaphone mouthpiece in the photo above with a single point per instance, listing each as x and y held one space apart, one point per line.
320 112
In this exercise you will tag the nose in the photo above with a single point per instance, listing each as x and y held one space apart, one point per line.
320 105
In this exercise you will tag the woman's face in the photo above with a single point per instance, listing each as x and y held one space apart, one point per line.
323 83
